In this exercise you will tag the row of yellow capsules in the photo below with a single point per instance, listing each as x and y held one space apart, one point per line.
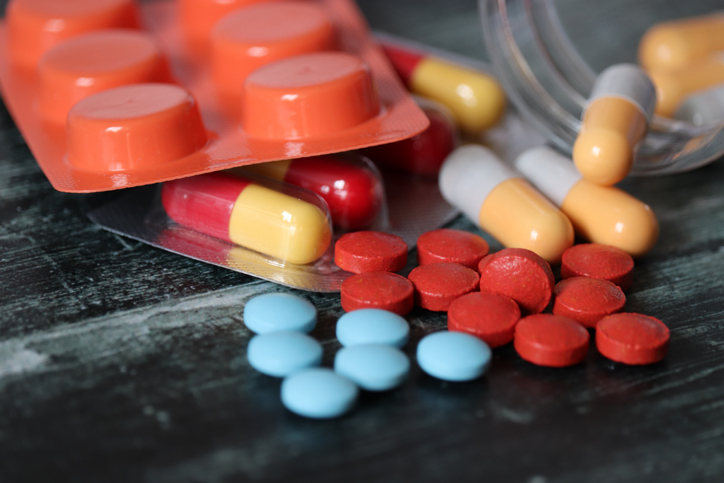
684 59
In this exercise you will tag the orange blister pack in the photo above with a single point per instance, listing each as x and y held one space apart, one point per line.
202 85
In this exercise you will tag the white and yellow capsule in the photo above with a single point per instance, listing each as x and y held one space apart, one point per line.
613 123
601 214
504 204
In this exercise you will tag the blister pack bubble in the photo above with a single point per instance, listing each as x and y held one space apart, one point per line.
113 94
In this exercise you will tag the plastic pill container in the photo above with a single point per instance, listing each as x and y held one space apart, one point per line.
548 80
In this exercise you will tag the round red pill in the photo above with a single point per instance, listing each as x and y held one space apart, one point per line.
378 290
438 284
488 316
551 340
447 245
632 338
370 251
521 275
598 261
587 300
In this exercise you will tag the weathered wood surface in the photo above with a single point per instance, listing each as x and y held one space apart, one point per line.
120 362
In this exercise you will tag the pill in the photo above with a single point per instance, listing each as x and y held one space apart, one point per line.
491 317
308 96
598 261
453 356
251 215
424 153
280 354
614 120
378 290
349 184
85 64
448 245
476 98
672 87
198 17
503 204
134 127
34 26
370 251
318 393
519 274
634 339
373 367
279 312
678 43
703 107
372 326
587 300
601 214
256 35
438 284
551 340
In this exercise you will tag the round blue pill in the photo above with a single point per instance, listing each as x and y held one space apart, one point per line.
374 367
318 393
279 354
453 356
372 326
276 312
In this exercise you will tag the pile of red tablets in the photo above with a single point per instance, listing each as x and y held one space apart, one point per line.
500 297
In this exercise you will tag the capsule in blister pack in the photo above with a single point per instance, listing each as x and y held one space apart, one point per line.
348 182
284 222
424 153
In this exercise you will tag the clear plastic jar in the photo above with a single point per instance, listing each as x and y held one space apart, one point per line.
548 82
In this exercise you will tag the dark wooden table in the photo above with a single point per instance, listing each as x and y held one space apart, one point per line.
121 362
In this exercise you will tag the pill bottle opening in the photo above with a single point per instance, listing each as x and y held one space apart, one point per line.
548 81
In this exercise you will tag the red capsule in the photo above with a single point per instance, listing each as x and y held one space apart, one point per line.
349 184
424 153
475 98
235 209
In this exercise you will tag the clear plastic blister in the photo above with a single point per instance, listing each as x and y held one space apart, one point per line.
410 206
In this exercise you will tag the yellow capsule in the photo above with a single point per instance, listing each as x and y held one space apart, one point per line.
613 123
475 98
502 203
601 214
673 86
676 44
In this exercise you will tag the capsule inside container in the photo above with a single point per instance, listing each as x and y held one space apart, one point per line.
349 183
288 223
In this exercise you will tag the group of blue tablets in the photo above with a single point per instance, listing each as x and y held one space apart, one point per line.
370 358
